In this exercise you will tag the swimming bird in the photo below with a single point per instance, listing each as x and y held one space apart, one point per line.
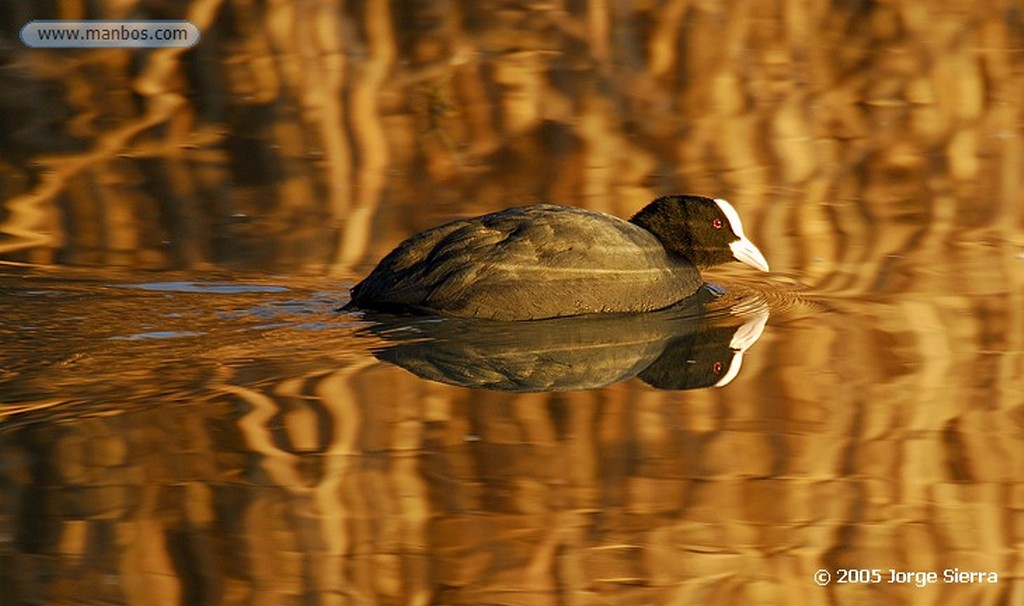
547 261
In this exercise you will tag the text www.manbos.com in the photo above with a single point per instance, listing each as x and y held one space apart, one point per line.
109 34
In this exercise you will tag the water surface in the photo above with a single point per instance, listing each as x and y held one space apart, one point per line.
187 418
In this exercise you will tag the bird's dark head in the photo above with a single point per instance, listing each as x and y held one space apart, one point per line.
706 231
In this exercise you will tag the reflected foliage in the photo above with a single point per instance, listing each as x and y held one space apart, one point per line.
225 447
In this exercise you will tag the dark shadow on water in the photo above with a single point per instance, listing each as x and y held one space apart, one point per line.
697 343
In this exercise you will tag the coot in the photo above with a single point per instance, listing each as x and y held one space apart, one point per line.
546 261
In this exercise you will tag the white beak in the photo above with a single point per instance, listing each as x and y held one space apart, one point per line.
744 251
748 334
745 336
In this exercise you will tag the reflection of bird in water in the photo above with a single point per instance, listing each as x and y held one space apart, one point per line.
713 354
683 347
544 261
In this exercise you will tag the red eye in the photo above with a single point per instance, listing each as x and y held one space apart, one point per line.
716 223
716 367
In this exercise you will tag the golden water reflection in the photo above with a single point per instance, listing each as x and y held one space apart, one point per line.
198 436
263 455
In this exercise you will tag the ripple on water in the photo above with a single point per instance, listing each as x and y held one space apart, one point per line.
161 334
206 287
782 297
